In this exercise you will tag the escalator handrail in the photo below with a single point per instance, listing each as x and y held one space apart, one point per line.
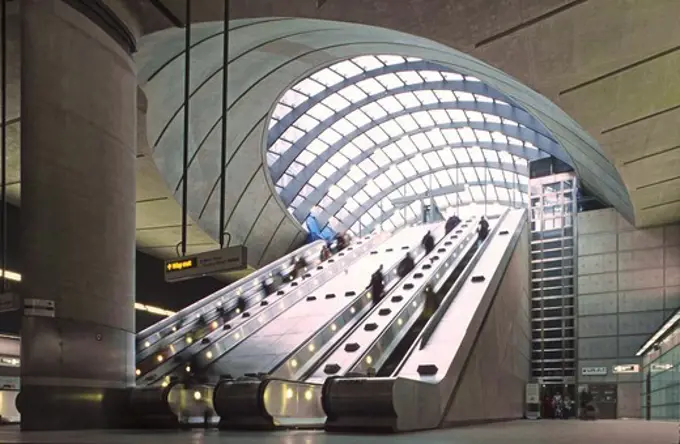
436 318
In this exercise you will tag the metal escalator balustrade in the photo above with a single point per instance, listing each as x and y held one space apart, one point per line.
222 340
166 331
418 395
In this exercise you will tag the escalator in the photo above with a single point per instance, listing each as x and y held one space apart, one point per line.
428 381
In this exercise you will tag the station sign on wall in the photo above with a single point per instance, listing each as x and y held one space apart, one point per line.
594 371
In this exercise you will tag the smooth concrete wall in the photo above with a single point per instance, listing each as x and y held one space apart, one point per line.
493 383
628 284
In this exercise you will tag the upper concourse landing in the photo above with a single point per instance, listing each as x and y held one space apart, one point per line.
518 432
612 66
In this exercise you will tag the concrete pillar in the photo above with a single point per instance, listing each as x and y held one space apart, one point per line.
78 147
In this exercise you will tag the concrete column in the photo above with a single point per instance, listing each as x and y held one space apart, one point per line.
78 147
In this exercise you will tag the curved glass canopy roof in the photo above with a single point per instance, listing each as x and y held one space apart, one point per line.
348 140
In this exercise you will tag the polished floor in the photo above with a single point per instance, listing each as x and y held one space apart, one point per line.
519 432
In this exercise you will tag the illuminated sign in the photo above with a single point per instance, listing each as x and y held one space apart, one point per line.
181 264
206 264
628 368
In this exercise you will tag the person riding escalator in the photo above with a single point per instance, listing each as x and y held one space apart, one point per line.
451 223
482 230
406 265
377 285
428 242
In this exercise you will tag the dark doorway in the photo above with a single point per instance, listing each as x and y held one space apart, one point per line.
604 395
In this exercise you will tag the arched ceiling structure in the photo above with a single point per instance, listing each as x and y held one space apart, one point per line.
270 55
347 140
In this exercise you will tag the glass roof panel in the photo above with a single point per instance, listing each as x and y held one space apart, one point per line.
447 156
352 93
371 188
309 87
280 111
408 100
433 160
327 77
392 128
347 69
368 63
374 111
306 123
350 150
358 118
371 86
330 136
431 76
393 152
344 127
394 175
436 137
317 146
363 142
338 160
380 158
356 174
335 102
390 104
327 169
382 182
321 112
407 169
368 166
407 122
390 81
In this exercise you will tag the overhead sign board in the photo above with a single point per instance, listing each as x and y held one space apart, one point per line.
206 264
594 371
626 368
